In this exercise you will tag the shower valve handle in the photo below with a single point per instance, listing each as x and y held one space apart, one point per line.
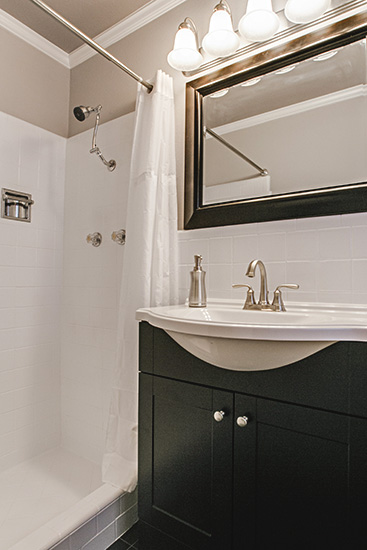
95 239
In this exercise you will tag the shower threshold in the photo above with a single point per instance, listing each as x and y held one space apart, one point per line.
58 500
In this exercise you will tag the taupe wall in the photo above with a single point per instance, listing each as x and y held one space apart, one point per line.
98 81
34 87
145 51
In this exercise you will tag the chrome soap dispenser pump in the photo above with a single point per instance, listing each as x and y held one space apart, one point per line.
197 296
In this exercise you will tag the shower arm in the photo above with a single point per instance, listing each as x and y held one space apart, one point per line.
92 43
111 164
95 130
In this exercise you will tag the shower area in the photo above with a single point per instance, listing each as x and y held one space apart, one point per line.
58 324
68 337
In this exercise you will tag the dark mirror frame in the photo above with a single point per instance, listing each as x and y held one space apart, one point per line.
303 204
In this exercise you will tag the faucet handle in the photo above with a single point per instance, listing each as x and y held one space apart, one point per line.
278 303
250 296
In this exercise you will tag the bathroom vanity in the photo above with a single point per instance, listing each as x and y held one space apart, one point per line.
234 460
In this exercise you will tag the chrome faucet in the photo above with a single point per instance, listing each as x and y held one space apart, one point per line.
263 298
263 302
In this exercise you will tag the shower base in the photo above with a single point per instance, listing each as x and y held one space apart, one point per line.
58 500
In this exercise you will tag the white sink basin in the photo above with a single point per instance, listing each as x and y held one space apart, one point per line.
227 336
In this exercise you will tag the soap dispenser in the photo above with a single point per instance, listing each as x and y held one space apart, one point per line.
197 296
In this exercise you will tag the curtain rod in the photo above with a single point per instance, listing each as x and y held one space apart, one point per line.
92 43
263 171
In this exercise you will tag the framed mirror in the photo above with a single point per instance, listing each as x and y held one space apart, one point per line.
282 134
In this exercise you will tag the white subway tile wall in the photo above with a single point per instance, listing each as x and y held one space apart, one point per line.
95 200
327 257
32 160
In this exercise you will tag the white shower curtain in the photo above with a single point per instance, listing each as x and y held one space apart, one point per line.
149 276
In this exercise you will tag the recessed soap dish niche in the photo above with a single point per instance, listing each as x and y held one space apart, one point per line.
16 205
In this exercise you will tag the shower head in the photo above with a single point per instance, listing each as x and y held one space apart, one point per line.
81 112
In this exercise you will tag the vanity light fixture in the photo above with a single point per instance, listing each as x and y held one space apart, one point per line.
305 11
185 55
221 39
260 22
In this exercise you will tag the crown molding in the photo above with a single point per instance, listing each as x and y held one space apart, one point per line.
141 17
32 38
127 26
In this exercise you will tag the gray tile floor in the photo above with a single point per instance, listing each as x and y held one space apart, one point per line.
143 537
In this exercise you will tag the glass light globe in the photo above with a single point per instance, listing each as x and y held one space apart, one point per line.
260 22
251 82
221 39
325 56
285 70
305 11
220 93
185 55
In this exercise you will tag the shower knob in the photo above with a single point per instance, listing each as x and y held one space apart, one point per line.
94 239
219 415
119 236
242 421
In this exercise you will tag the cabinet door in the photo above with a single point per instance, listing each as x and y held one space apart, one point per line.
185 461
291 480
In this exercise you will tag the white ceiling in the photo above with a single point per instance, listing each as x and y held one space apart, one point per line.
91 16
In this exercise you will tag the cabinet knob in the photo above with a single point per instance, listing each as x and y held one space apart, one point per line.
242 421
219 415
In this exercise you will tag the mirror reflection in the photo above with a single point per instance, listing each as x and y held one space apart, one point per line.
298 128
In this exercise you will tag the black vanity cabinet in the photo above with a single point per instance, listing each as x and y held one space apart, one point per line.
186 461
282 464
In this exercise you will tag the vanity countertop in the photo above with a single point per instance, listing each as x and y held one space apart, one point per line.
227 319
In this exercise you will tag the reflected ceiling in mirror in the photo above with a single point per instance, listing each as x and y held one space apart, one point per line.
281 134
297 128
